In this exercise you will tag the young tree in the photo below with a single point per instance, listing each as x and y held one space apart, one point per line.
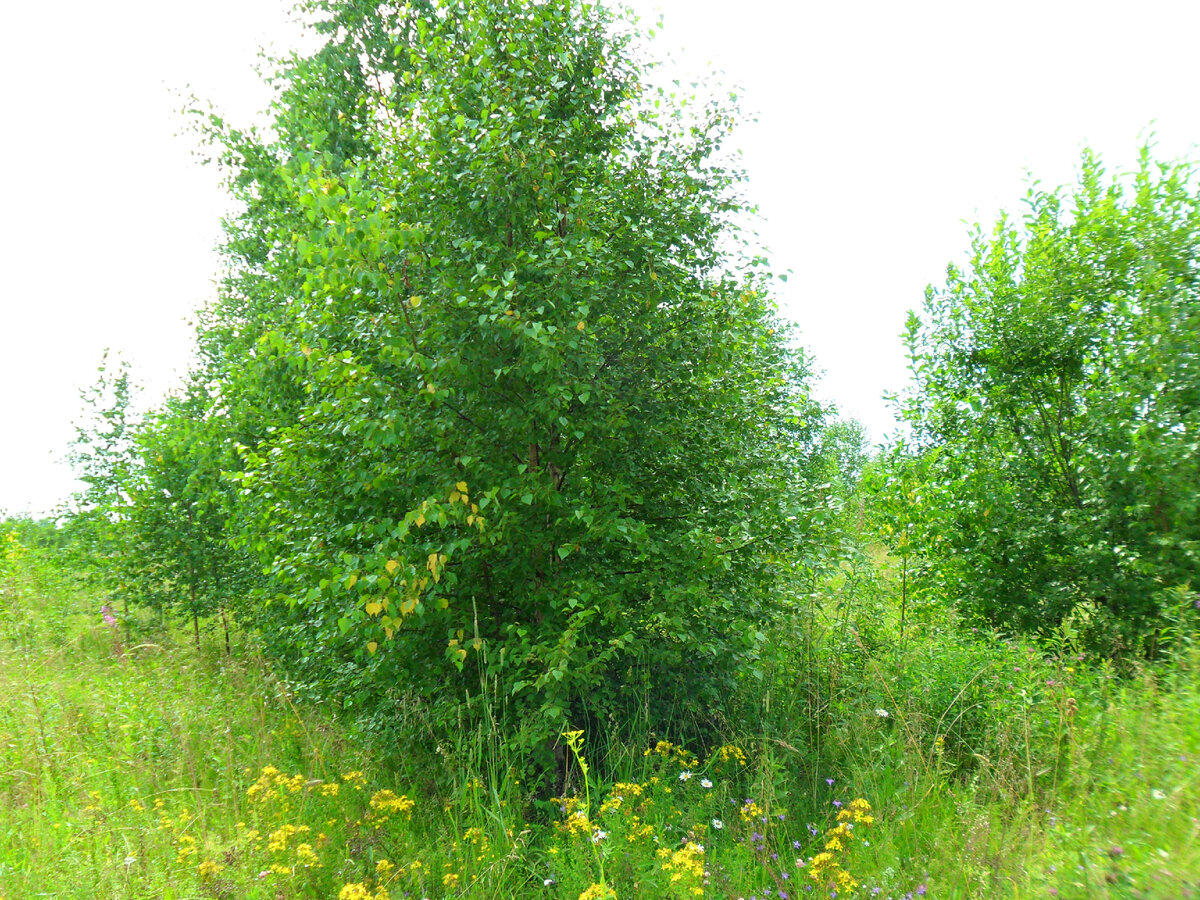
179 558
1057 380
103 457
512 412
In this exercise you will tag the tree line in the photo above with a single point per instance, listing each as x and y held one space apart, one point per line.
494 411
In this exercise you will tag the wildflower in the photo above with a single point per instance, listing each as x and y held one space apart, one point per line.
705 783
829 781
306 855
882 713
1158 795
598 892
208 869
718 824
685 775
598 835
386 801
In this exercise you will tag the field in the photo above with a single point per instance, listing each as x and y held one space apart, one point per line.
134 765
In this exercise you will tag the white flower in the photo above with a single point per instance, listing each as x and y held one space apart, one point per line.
685 775
1158 795
705 783
599 836
882 713
718 824
546 882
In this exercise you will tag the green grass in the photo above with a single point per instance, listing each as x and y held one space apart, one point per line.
134 765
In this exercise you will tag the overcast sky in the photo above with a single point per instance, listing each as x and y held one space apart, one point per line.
882 129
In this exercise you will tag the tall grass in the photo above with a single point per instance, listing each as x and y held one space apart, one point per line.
954 764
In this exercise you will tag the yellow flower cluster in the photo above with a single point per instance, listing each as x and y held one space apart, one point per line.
208 869
186 845
728 753
826 867
598 892
686 868
751 811
361 891
272 783
278 840
387 802
670 751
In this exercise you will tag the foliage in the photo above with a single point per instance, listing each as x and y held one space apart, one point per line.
103 458
511 411
1054 407
179 558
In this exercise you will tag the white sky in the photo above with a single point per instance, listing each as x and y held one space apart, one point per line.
882 127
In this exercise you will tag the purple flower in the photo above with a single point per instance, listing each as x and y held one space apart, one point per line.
795 845
921 891
813 830
829 781
109 618
837 803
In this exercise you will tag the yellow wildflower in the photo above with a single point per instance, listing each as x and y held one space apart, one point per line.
208 869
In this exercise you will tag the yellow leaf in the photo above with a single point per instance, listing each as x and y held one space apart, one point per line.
374 608
372 646
477 643
306 350
420 520
470 520
442 603
389 631
462 487
414 301
351 581
408 605
580 327
454 495
391 565
431 388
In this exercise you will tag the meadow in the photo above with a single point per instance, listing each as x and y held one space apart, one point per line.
134 764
